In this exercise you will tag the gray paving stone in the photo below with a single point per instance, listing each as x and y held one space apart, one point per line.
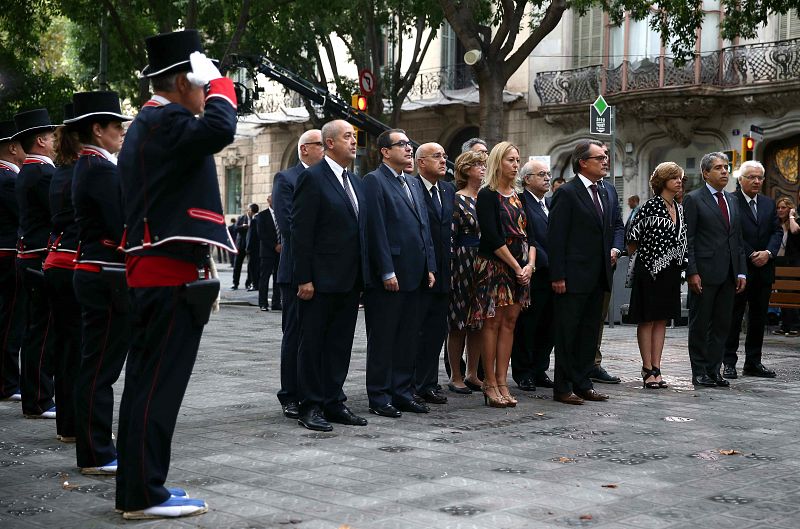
461 466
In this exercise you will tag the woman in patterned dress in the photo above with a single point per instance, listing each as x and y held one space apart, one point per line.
658 237
470 170
505 263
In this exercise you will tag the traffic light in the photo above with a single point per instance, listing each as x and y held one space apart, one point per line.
748 148
733 159
359 102
361 138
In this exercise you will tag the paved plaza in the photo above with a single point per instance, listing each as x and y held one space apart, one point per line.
645 459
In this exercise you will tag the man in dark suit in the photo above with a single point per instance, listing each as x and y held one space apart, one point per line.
533 336
716 269
12 316
329 237
401 264
242 225
269 252
579 238
440 197
761 237
599 373
33 197
253 246
310 151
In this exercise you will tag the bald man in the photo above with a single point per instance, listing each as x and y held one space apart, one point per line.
310 151
439 201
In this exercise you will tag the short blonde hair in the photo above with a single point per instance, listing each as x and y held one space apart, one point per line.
493 166
664 172
466 161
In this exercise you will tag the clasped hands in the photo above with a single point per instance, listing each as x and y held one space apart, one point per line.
524 274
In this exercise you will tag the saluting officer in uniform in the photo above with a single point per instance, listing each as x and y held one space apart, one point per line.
33 190
11 315
99 276
173 212
59 266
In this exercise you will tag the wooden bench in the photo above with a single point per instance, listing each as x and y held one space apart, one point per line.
786 289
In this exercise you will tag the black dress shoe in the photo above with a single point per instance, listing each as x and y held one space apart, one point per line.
434 397
251 289
387 410
729 372
526 384
291 410
345 416
235 287
455 389
705 381
591 394
264 309
720 381
471 385
757 370
543 381
412 406
313 420
598 374
277 307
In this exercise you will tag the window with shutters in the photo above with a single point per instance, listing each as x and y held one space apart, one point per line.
587 38
789 25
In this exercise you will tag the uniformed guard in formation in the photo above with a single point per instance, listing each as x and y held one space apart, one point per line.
103 260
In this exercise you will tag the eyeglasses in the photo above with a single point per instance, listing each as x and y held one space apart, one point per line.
542 174
315 143
599 158
437 156
402 144
760 178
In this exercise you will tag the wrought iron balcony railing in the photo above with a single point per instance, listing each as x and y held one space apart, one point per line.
746 65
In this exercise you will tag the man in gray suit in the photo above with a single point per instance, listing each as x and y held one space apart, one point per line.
716 269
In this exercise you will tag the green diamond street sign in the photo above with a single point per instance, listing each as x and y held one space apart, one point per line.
600 117
600 104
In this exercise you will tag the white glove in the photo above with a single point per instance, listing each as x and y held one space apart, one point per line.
203 70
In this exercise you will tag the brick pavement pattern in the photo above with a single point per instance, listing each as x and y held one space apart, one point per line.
647 458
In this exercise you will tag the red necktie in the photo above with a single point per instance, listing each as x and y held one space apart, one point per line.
723 207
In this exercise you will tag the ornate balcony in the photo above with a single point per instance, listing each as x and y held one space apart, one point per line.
736 66
431 82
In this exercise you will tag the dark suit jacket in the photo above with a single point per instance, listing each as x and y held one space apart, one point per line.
713 249
282 197
537 223
399 236
329 240
764 233
441 231
579 242
266 233
618 226
242 225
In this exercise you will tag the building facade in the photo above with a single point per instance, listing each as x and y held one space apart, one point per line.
664 111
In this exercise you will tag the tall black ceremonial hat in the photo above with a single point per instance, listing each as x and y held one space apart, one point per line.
88 105
30 121
7 130
69 111
169 52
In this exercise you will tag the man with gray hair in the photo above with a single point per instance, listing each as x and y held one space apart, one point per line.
310 151
475 144
716 269
761 237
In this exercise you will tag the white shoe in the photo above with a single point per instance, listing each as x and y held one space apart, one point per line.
174 507
16 397
109 469
49 414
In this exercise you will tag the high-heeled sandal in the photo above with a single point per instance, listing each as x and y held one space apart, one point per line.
647 373
510 401
489 400
657 373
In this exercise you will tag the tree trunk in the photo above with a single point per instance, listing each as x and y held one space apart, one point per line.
492 119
